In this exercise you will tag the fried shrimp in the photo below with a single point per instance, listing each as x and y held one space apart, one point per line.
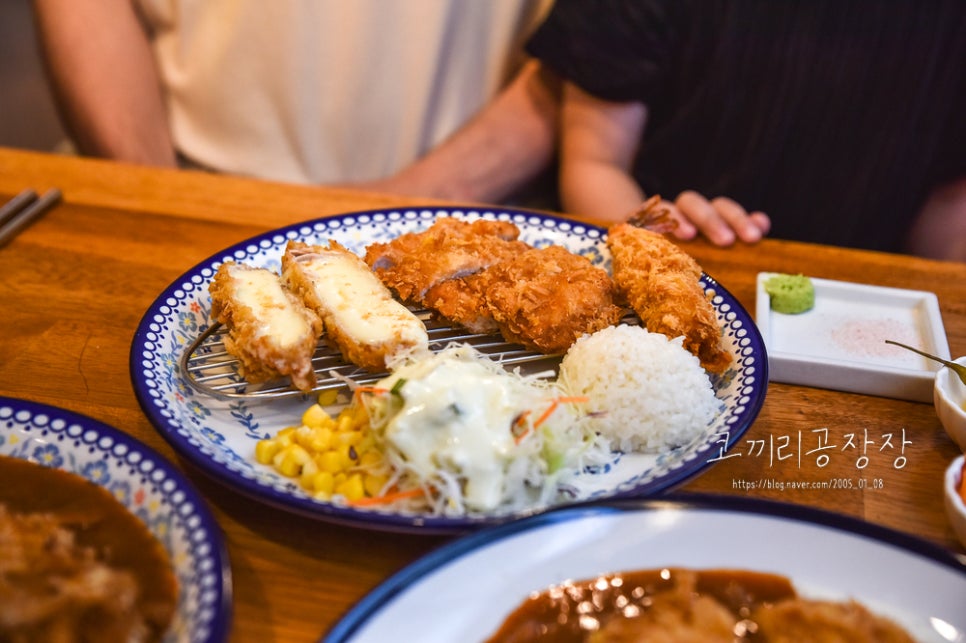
361 318
661 283
270 331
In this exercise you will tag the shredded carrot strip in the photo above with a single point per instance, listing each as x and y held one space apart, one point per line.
573 399
387 498
576 399
546 414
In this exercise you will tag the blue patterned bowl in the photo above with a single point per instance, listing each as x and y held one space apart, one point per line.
150 487
220 436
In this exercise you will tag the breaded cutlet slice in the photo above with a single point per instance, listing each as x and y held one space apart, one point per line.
546 298
270 330
361 318
414 262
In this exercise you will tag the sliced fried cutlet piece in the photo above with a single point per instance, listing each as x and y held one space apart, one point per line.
451 248
462 302
662 284
546 298
270 331
362 320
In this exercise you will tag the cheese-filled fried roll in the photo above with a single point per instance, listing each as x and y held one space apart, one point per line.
361 317
270 330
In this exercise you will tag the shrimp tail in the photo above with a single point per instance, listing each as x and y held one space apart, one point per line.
652 215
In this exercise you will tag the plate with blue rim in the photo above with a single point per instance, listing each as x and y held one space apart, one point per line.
219 435
465 590
151 488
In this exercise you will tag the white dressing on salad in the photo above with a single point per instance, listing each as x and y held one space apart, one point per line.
470 436
458 417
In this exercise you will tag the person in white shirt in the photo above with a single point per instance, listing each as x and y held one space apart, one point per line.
305 91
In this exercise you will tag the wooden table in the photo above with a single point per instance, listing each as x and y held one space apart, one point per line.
75 284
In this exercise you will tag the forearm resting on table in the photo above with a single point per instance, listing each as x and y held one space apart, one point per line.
496 153
598 189
104 79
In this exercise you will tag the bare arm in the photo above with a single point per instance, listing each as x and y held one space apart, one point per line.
598 142
506 145
104 79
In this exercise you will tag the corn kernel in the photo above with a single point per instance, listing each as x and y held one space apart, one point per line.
265 450
352 488
328 397
315 417
349 438
360 416
366 444
330 461
343 423
290 460
307 476
374 484
314 439
286 436
370 459
324 482
346 459
322 439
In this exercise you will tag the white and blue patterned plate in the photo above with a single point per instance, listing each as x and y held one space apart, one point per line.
464 590
151 488
220 436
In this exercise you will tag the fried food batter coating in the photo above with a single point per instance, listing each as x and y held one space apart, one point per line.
270 331
462 301
451 248
545 298
361 318
825 622
661 283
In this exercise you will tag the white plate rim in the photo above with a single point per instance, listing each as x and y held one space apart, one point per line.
405 580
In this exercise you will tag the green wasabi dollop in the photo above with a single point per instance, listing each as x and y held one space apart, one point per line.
790 294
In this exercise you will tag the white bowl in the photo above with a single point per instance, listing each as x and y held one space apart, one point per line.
949 397
955 507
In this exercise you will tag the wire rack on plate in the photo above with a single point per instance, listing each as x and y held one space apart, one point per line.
210 369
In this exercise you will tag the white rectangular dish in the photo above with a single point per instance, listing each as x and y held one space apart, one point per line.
840 343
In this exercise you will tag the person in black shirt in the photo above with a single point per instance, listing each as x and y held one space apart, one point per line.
843 120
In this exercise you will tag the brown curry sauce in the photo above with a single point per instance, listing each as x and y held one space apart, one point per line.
98 523
678 604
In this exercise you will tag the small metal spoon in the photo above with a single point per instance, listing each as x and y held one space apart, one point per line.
959 369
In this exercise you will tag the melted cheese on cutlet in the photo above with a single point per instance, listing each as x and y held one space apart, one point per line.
260 290
358 302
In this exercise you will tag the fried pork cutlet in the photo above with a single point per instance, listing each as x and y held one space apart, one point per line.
361 318
462 301
545 298
270 331
451 248
661 283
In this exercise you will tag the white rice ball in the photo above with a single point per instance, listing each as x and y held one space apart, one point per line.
645 392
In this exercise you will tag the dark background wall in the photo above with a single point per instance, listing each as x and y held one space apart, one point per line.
28 118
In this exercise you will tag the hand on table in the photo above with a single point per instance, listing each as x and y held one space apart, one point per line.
721 220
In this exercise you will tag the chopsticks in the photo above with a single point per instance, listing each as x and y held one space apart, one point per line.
20 211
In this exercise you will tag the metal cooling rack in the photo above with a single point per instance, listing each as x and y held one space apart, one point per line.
209 369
